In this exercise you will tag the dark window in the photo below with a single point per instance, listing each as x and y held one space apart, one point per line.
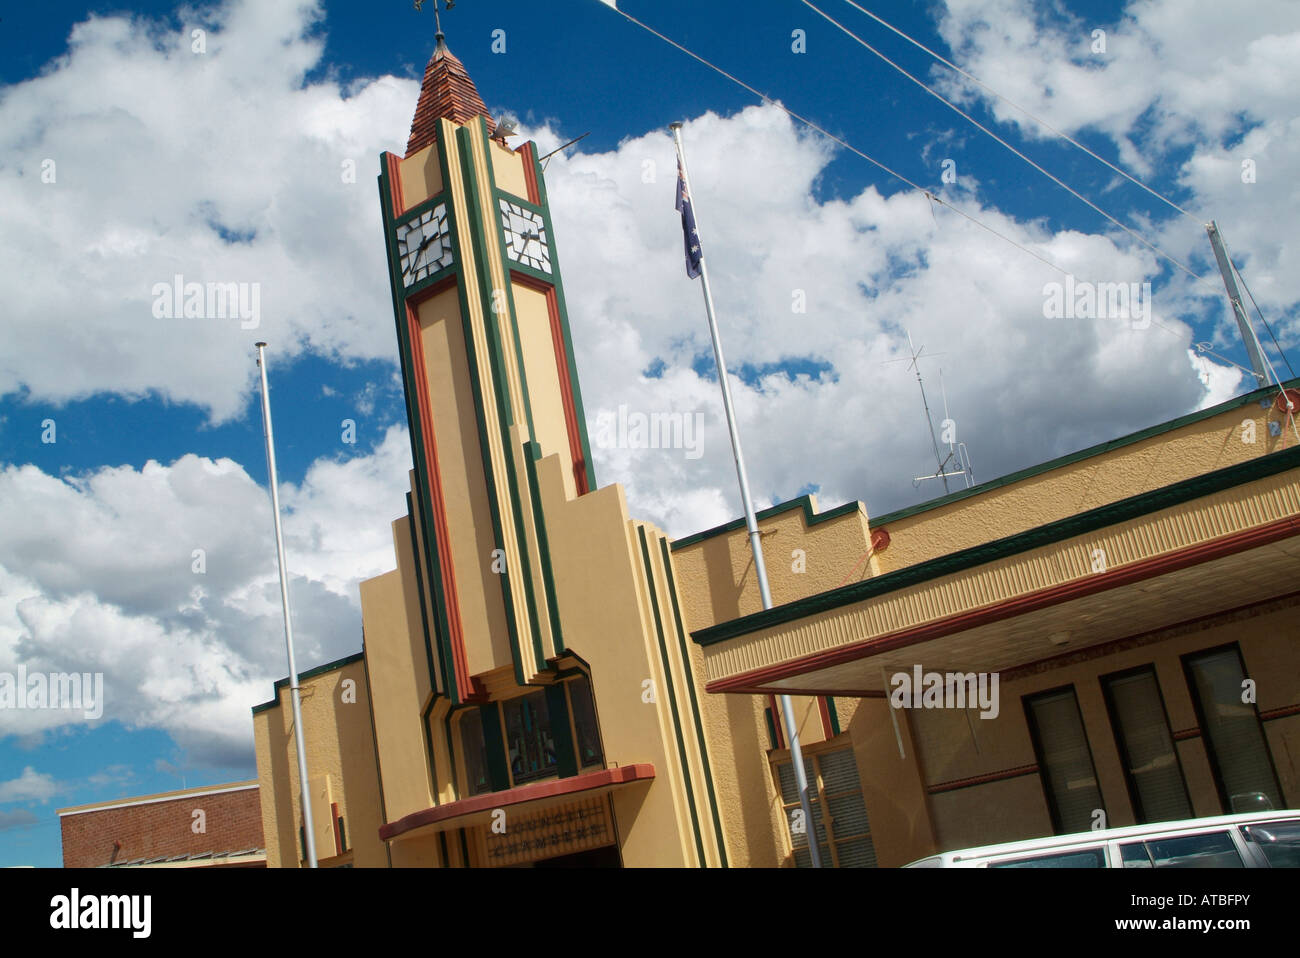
1084 858
474 750
1146 746
1064 761
835 793
529 742
584 723
1234 738
1208 850
1279 842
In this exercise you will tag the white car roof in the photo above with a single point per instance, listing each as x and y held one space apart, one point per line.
1102 836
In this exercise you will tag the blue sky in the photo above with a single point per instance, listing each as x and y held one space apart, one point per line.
225 165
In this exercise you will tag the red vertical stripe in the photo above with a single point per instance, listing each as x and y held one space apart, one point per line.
530 173
824 710
460 667
776 721
572 426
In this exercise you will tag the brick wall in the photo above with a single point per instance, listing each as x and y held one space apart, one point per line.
233 822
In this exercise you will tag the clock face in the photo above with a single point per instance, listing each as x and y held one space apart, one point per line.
526 240
424 244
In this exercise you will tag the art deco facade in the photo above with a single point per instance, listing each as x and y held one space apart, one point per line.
547 680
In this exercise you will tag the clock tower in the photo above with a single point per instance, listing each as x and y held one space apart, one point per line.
528 656
491 387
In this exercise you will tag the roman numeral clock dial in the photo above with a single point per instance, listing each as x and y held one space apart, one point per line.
424 245
526 240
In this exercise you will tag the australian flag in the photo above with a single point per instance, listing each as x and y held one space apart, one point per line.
690 234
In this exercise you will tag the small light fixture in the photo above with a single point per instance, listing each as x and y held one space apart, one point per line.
1059 638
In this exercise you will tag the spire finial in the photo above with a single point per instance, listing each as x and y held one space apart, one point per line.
437 16
447 92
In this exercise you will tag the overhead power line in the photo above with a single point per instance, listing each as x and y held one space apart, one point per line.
1012 103
933 197
1064 136
982 128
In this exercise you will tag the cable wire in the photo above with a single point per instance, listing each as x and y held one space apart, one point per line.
1043 123
1276 344
982 128
933 197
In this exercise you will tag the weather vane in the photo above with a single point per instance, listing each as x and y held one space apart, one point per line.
437 19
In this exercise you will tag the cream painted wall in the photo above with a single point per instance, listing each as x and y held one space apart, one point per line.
1191 450
340 746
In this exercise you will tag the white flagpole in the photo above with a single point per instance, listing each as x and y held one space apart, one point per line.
751 522
304 787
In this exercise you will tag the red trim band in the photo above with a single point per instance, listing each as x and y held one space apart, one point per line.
982 779
625 774
753 682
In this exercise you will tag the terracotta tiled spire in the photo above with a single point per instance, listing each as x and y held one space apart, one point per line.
448 92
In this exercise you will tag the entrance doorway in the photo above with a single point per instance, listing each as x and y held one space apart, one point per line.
606 857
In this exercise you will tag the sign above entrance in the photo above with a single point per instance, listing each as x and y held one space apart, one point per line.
557 830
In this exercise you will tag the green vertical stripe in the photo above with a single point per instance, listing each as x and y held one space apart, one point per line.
496 362
672 695
834 716
695 705
533 452
557 707
579 414
495 742
771 728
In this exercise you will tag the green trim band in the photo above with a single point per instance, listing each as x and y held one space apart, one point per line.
309 674
1087 453
1099 518
1070 458
810 518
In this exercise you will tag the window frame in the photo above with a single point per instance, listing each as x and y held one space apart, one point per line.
1235 839
1216 771
1121 741
813 754
1032 723
455 735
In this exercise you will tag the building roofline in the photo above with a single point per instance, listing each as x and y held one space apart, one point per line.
159 797
1107 515
1087 453
309 674
811 518
804 502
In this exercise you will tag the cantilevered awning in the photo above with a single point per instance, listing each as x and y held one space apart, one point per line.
1206 547
478 809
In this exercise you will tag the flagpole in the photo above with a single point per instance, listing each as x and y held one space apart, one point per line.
304 787
751 521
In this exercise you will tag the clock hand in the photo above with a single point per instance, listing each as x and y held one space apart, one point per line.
421 248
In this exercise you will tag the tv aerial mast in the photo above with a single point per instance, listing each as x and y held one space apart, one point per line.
957 462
